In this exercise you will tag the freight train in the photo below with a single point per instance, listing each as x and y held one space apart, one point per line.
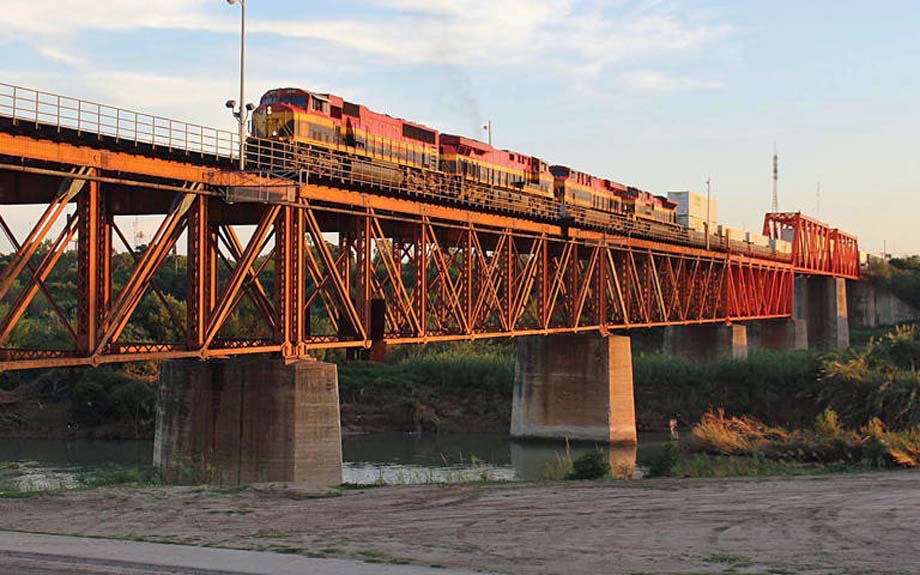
368 145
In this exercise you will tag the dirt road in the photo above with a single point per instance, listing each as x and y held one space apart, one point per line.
857 524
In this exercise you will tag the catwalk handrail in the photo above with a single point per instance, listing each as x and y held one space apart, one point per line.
27 106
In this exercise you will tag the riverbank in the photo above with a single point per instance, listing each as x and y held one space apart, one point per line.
841 524
442 389
468 386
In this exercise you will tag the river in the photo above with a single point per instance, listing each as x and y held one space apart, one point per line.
378 458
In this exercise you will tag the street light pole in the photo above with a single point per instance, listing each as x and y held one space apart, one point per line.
241 111
708 205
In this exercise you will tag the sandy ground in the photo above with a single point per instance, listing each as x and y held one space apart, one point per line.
857 524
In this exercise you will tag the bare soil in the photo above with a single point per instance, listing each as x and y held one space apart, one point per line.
840 524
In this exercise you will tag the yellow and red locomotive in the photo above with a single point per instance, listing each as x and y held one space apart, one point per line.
328 121
395 150
479 162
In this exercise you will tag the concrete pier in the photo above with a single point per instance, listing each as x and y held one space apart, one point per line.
709 342
574 386
778 334
822 302
249 420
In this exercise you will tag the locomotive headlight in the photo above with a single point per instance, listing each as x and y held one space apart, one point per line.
268 111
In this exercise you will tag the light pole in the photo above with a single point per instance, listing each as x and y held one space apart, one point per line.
488 128
241 111
708 205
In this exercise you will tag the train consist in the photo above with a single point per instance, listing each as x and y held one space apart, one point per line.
398 151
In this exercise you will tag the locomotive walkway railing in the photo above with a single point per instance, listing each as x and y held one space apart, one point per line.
44 109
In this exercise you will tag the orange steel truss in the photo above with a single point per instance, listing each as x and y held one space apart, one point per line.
347 268
817 248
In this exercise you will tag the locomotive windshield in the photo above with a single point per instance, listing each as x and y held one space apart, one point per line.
293 100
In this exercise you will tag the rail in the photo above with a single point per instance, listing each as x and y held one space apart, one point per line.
318 165
44 109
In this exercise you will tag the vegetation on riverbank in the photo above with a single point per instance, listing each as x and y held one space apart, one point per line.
900 275
723 446
468 387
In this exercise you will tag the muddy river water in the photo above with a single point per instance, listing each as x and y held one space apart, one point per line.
380 458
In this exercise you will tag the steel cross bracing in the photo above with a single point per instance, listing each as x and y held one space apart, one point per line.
326 267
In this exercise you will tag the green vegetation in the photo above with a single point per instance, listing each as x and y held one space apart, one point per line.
120 475
437 387
778 387
722 446
591 465
881 380
900 275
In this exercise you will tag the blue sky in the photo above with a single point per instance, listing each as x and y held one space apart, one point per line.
655 93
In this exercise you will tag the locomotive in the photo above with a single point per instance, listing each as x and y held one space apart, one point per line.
391 147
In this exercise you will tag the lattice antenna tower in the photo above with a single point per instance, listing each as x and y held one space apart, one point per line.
775 205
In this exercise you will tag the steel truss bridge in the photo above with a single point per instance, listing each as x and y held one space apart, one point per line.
353 263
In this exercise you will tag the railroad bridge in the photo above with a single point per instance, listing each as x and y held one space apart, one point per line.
328 261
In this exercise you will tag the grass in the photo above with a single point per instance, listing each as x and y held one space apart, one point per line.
119 475
20 494
722 446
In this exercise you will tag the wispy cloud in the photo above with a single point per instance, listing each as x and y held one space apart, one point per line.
648 81
584 38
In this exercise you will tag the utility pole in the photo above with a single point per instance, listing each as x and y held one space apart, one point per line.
243 108
775 206
818 199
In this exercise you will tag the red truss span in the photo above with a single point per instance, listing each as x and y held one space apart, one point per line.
331 261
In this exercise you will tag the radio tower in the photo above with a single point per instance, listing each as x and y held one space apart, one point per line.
775 179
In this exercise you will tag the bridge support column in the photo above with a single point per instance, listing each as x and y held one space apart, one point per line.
576 387
249 420
822 302
710 342
778 334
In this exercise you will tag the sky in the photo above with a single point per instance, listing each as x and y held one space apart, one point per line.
658 94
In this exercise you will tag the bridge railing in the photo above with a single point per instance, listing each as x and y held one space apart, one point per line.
27 106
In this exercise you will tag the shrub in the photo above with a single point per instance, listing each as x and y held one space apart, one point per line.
592 465
827 423
719 434
881 380
663 464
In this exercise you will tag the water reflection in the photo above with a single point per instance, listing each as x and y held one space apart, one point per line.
540 460
382 458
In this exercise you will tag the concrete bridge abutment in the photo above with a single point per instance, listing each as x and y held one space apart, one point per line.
249 420
707 342
574 386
